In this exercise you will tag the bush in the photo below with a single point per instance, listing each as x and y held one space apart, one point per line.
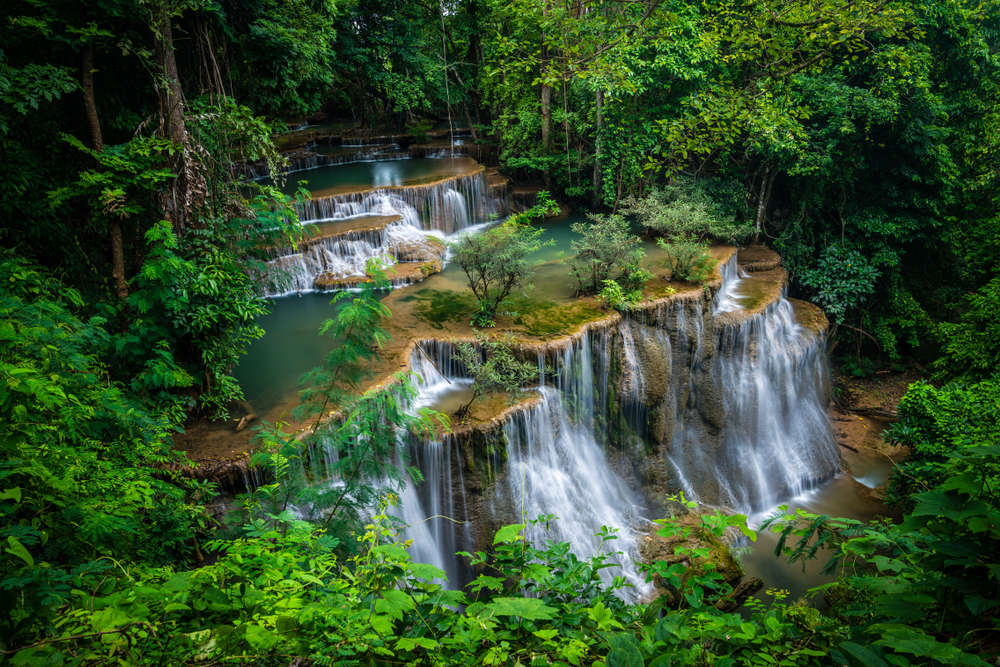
617 298
688 260
972 345
493 369
843 280
608 246
686 211
496 261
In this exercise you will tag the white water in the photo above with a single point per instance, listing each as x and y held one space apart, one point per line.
555 467
747 427
433 210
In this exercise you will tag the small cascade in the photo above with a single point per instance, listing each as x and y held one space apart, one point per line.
555 466
339 256
447 206
732 275
750 425
434 510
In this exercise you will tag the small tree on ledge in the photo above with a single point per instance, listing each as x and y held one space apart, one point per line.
493 369
496 261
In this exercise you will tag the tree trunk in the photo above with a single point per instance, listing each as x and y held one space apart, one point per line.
114 224
172 125
598 185
546 104
762 200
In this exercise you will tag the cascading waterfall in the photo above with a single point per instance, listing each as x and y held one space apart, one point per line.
753 429
729 403
555 467
342 255
447 206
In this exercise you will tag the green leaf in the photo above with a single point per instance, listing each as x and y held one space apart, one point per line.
14 493
19 550
509 533
427 571
408 643
394 603
176 606
529 609
977 604
861 656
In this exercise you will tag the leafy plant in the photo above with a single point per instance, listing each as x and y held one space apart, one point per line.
496 260
688 260
607 247
494 369
843 279
617 298
686 211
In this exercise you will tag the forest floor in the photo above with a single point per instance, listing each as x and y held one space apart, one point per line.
879 393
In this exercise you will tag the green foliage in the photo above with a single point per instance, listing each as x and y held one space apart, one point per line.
900 585
77 490
936 425
843 279
688 260
972 345
687 211
607 247
493 368
496 260
617 298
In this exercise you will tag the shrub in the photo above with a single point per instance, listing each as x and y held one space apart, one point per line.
843 280
496 261
493 369
617 298
687 260
686 211
608 247
972 345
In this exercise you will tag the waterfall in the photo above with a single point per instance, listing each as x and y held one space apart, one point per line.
751 427
555 467
447 206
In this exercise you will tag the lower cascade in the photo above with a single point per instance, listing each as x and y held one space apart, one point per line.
690 395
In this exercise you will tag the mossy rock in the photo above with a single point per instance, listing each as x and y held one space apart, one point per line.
654 548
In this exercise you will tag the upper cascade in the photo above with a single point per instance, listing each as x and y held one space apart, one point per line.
421 216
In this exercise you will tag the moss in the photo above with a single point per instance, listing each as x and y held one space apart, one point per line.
435 307
544 318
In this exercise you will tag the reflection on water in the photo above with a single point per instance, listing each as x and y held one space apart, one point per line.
291 346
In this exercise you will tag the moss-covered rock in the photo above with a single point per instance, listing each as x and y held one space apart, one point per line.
694 535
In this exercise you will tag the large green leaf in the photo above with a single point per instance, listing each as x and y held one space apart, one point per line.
861 656
529 609
394 603
509 533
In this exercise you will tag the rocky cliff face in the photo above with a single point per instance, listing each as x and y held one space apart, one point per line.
718 393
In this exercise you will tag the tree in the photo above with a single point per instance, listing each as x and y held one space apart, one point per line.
687 216
607 247
493 368
496 261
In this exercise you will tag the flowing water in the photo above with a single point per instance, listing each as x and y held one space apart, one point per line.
701 397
